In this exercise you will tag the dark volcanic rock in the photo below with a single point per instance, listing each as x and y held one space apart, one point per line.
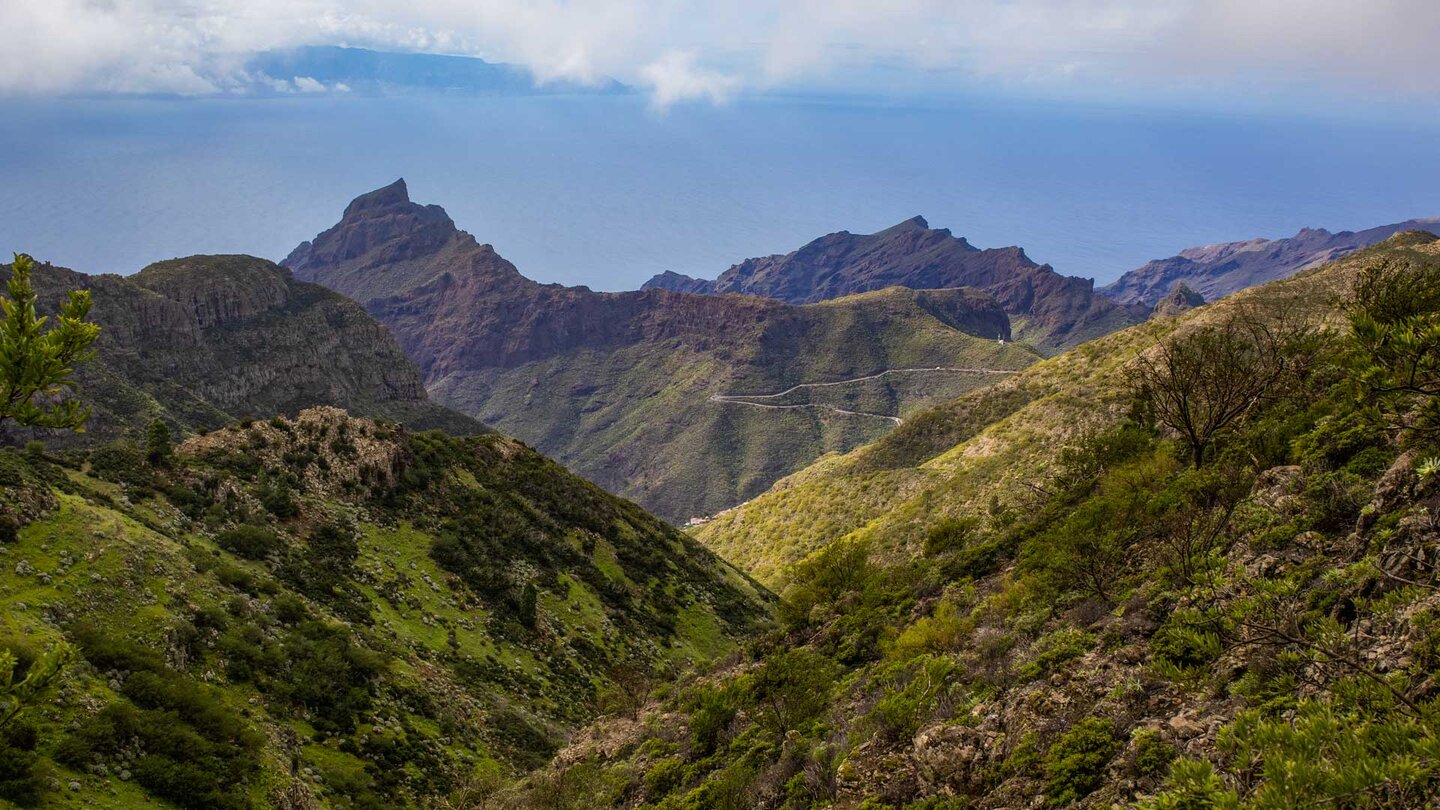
456 304
1217 270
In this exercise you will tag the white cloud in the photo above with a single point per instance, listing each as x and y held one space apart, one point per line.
305 84
689 49
676 76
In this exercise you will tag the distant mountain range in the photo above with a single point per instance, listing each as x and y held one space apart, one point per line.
1215 271
339 69
686 403
202 341
1054 311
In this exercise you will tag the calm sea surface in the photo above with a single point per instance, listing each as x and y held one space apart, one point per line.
604 191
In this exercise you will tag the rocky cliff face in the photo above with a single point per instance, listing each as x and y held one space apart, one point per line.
1058 310
203 340
1218 270
619 385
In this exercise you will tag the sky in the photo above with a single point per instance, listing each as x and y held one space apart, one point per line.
680 51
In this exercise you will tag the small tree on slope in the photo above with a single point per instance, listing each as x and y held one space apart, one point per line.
1210 380
36 363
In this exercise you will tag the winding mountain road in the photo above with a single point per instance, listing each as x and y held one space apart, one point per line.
744 399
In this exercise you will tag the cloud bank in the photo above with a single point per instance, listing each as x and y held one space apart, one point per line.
685 49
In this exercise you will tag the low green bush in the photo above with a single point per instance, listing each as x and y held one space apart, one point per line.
1075 764
250 542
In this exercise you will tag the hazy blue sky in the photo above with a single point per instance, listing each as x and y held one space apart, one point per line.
1097 134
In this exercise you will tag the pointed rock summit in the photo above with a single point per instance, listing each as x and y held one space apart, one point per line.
384 242
391 196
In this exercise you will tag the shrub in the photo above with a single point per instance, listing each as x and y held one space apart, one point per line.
275 496
20 781
791 689
1054 649
664 777
120 462
940 632
250 542
1075 764
1152 754
949 535
159 446
1183 645
712 709
913 692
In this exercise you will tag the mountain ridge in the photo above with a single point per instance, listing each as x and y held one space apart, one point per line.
172 332
1220 269
1058 311
618 384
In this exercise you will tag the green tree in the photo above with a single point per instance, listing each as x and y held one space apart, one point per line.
1395 327
17 691
159 446
37 363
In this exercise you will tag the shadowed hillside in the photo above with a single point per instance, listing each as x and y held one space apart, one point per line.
198 342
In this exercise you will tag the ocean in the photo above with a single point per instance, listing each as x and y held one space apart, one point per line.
606 191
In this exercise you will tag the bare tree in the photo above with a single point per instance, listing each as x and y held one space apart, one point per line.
1210 380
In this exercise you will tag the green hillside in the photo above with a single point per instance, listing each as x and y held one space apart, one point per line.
1047 598
997 442
329 611
639 419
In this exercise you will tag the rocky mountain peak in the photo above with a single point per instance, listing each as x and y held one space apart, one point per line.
384 243
392 196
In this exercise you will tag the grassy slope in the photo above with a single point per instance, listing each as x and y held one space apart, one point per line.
638 420
1089 642
992 442
462 687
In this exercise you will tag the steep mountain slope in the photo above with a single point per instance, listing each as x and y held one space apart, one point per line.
1071 611
619 386
1058 311
330 612
995 442
200 341
1216 271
